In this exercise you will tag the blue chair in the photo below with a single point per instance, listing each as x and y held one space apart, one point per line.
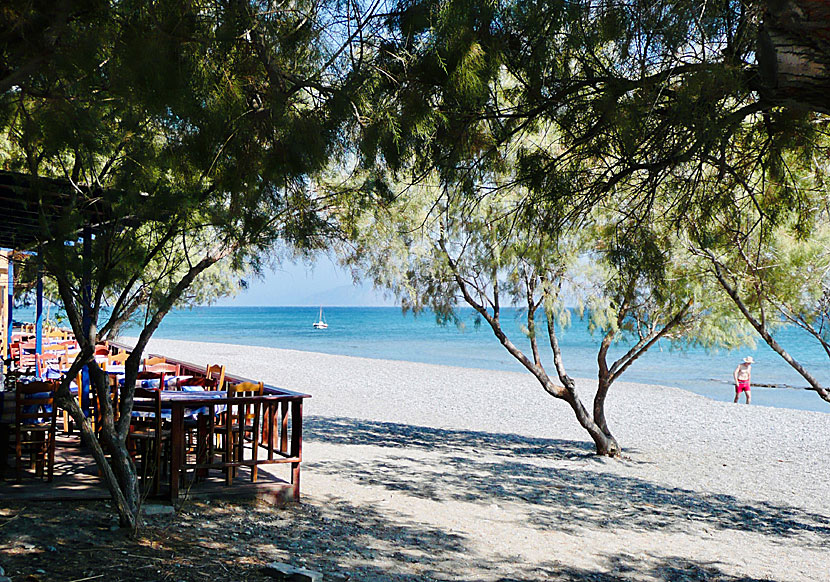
35 427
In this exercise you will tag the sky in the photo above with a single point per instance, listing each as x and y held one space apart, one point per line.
323 283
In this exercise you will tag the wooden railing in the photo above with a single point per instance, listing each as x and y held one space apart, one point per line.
278 431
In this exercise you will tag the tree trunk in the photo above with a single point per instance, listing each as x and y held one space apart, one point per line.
794 54
606 444
127 512
604 380
603 385
125 473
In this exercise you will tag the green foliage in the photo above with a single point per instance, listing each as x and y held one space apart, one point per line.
191 136
188 116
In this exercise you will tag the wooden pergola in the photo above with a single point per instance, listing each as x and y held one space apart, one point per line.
28 206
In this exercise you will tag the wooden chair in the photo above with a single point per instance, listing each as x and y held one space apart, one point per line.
35 427
118 359
147 433
216 372
240 421
58 349
24 360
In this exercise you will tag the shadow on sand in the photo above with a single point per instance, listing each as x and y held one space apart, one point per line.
359 543
566 487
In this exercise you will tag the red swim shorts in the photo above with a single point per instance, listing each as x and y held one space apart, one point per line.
743 386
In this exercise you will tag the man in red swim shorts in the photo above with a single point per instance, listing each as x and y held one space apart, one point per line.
743 378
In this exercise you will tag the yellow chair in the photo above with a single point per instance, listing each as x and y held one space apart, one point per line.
242 420
118 359
216 372
154 360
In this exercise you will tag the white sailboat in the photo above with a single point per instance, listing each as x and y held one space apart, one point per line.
321 322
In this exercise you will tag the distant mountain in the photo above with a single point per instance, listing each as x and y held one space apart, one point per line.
348 296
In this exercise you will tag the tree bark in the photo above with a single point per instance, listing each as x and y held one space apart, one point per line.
794 54
606 444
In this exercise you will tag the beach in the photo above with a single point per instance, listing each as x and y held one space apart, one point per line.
445 473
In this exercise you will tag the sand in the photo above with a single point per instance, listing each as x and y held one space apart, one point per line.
446 473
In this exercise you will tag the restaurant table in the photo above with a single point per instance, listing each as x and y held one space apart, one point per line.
162 368
179 405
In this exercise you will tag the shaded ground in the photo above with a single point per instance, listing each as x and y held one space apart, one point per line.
403 503
74 541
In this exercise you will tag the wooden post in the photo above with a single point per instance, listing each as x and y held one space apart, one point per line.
10 301
177 446
39 306
296 444
86 307
284 427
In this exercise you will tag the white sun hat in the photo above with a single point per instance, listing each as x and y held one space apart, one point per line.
749 360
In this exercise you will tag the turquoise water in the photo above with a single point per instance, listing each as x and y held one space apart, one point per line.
384 332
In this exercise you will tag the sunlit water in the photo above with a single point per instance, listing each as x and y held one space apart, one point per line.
384 332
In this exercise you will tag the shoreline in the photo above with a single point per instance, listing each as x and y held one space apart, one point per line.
766 391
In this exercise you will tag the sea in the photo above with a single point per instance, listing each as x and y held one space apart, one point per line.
388 333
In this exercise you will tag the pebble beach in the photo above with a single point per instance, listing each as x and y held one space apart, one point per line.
427 472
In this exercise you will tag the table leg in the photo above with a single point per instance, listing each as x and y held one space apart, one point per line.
201 444
177 444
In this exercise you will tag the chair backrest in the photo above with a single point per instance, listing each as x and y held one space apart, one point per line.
246 389
57 334
34 403
244 413
217 372
147 401
155 360
118 358
58 347
146 394
150 376
209 384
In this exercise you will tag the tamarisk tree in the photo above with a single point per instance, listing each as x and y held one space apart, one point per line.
767 243
438 250
191 133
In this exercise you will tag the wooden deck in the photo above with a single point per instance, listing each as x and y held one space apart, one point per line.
277 421
76 478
